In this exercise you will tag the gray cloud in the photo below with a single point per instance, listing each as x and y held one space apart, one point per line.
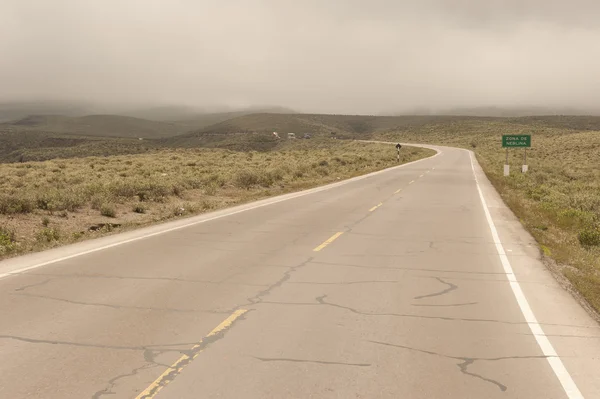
312 55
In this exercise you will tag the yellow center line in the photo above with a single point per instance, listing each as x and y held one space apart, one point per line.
397 191
375 207
411 182
428 171
329 241
422 175
170 373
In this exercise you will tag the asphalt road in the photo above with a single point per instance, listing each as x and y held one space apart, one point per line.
402 284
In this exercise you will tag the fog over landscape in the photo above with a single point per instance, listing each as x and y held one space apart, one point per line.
335 56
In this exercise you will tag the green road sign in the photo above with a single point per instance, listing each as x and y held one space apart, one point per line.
516 140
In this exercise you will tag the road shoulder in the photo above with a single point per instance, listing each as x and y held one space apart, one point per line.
572 331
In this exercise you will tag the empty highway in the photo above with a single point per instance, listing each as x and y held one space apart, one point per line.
414 282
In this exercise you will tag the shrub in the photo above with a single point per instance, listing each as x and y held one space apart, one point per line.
139 208
586 201
575 217
177 191
97 201
125 189
10 204
276 174
143 196
59 200
206 204
193 182
322 171
45 222
245 179
157 190
48 234
77 235
270 177
7 241
108 210
210 189
182 209
589 237
538 193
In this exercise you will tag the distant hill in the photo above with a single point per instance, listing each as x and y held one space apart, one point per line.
108 125
570 122
205 120
53 136
21 146
344 126
504 112
11 111
14 110
198 115
98 125
162 113
195 119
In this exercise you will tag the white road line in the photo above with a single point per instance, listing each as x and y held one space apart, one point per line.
536 329
195 220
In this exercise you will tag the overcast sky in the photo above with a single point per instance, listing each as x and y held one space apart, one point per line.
350 56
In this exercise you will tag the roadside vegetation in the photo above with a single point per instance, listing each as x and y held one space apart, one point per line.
558 200
50 203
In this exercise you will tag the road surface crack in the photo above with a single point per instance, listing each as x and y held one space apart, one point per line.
149 352
113 381
158 278
321 302
465 362
408 268
411 239
188 356
451 287
26 287
446 305
286 276
257 263
119 307
157 347
265 359
348 282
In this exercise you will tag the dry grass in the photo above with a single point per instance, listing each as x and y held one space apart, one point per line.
45 204
558 201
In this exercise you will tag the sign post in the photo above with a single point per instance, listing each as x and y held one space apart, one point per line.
398 146
516 141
